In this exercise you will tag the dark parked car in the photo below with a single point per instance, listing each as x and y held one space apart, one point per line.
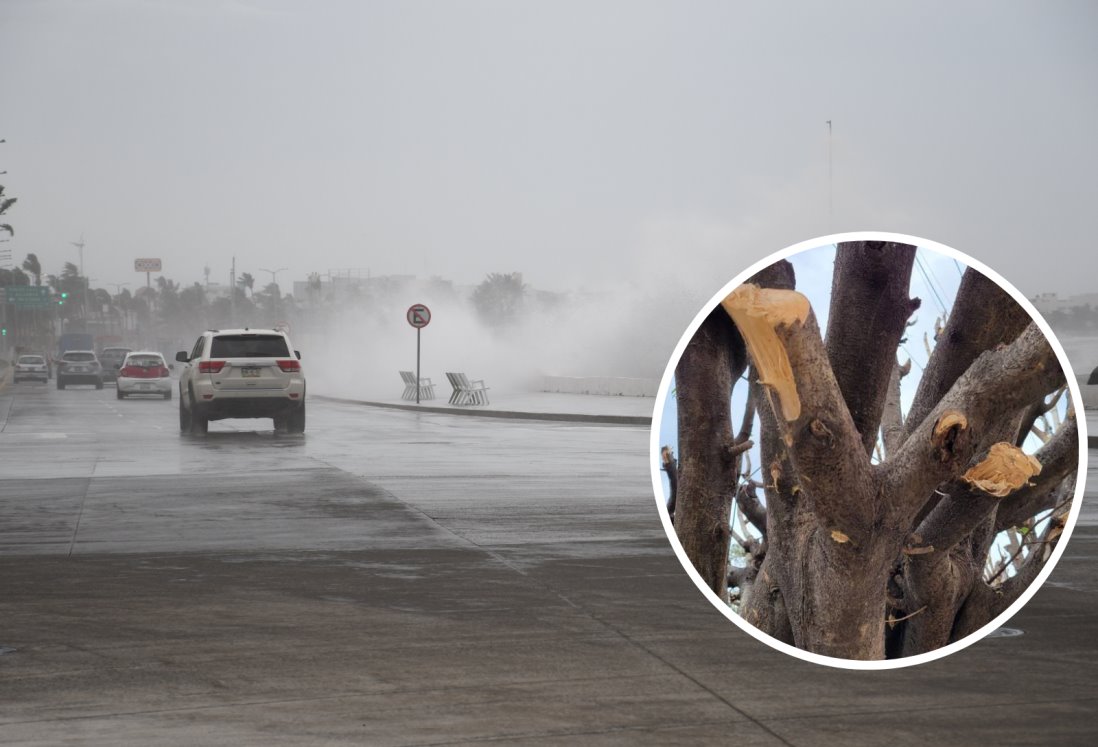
111 360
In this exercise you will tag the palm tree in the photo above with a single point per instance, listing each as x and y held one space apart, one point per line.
5 203
247 281
34 267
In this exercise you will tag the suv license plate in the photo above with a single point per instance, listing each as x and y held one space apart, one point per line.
250 372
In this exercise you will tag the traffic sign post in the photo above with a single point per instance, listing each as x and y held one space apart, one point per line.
148 265
419 316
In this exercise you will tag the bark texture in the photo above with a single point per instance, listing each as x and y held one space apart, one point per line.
869 312
712 362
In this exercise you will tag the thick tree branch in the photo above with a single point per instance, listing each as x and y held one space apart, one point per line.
983 316
763 605
1058 458
936 585
748 503
892 419
985 603
742 578
999 383
869 311
967 503
712 361
824 446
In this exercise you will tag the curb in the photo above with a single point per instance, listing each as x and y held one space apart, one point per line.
503 414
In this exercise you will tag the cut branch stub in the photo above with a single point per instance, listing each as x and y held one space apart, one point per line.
756 312
947 428
1005 469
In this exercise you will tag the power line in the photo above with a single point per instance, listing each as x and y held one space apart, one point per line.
930 285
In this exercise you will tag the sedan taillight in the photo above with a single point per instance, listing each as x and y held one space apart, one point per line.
210 366
289 366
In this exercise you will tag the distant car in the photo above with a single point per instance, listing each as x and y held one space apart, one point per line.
144 372
31 368
241 373
79 367
112 360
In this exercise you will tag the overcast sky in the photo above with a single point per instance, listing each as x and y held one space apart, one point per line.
585 144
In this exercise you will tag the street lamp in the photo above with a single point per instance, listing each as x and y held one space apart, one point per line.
274 274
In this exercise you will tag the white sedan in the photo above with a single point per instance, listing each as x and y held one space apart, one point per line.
144 372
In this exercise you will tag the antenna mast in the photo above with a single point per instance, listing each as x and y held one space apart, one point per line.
830 184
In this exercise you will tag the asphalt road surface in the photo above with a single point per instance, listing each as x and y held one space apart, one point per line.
396 578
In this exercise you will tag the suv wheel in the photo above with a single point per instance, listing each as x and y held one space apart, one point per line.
295 421
184 417
60 383
99 384
200 424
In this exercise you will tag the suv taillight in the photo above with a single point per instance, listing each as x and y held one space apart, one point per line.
210 366
289 366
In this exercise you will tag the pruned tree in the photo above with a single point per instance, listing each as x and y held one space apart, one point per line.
871 533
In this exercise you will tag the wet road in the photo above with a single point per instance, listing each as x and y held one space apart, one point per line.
406 579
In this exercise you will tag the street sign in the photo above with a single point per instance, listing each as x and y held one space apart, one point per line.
147 265
419 316
27 296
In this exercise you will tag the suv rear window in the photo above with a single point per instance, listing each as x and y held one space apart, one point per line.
79 356
31 360
249 346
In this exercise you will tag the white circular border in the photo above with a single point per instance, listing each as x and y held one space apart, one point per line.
831 661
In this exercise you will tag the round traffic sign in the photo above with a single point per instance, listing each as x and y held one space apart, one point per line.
418 315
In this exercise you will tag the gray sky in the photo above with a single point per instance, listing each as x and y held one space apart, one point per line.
586 144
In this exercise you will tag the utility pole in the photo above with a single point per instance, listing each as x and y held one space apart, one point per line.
232 294
80 245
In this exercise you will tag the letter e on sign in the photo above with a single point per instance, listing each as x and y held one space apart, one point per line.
419 316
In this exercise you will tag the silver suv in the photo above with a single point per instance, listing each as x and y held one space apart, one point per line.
79 367
241 373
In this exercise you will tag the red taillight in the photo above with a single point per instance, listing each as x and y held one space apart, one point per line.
289 366
163 372
210 366
128 371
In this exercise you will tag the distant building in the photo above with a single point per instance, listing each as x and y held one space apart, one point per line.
1047 303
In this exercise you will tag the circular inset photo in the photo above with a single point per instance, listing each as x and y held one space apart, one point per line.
866 451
